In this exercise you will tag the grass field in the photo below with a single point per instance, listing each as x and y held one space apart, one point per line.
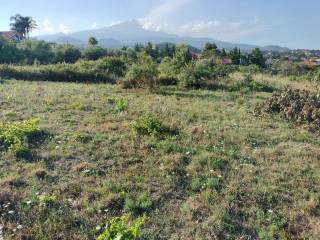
217 172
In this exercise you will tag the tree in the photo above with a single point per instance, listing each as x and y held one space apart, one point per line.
37 51
67 53
22 25
182 56
94 53
256 57
93 41
143 73
9 53
210 50
235 55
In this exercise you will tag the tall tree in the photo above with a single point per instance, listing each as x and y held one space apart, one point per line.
22 25
235 55
93 41
256 57
29 25
210 50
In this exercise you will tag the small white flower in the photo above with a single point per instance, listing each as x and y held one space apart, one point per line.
29 202
19 227
270 211
188 153
98 228
219 176
11 212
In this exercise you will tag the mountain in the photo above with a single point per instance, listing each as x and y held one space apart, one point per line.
132 32
274 48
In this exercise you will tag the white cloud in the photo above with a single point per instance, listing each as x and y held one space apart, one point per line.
222 30
46 26
157 17
154 20
63 28
94 25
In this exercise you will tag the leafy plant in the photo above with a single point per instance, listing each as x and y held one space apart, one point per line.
120 228
122 105
16 137
148 125
142 74
46 200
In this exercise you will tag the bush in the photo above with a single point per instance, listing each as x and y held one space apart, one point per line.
9 53
67 53
16 136
167 72
141 74
187 77
77 72
120 228
112 65
94 53
294 105
37 51
148 125
250 84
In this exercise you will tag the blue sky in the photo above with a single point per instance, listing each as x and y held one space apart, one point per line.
291 23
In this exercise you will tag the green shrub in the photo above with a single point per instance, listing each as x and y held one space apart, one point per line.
37 51
141 74
167 72
122 105
250 84
16 136
187 77
17 133
148 125
67 53
21 151
112 65
78 72
120 228
46 200
94 53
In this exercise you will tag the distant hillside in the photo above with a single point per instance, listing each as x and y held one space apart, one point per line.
132 32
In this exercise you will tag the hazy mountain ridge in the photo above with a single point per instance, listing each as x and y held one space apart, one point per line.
131 32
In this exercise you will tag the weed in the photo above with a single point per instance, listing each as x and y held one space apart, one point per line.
122 105
120 228
46 200
148 125
16 137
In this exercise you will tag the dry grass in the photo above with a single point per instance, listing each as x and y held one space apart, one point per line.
225 175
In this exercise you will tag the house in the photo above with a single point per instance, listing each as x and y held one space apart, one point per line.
315 63
10 35
226 61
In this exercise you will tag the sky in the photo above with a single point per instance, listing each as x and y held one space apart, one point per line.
288 23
